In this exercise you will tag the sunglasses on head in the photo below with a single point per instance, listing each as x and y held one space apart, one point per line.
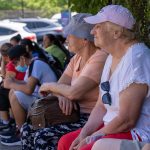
106 98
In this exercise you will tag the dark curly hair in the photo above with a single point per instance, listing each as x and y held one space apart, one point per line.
4 49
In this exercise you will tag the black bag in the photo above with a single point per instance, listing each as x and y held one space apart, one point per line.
52 64
46 111
52 61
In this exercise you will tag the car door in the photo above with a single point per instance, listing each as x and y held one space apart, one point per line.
6 34
41 28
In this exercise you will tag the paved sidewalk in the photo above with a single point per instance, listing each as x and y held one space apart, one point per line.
2 147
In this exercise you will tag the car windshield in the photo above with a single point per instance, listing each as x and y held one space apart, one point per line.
6 31
26 29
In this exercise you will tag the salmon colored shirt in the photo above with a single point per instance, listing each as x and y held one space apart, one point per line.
91 70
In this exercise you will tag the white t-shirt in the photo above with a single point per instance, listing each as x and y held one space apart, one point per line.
134 67
42 72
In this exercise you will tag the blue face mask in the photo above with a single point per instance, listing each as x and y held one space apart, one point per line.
21 68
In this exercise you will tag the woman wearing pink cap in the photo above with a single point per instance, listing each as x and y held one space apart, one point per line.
123 107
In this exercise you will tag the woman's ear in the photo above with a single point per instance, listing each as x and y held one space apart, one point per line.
85 42
117 33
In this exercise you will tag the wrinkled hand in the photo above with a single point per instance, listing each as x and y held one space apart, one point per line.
66 105
8 82
78 143
45 88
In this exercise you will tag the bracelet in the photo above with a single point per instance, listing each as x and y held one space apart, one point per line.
93 138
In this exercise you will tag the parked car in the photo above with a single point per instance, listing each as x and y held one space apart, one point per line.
58 18
9 29
41 26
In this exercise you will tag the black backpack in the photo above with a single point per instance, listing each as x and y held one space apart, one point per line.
52 61
68 56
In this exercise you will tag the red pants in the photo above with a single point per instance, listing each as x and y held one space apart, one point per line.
66 140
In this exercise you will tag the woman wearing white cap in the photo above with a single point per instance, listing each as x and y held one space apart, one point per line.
123 107
79 83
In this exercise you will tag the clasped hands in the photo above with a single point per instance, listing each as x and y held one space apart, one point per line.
65 104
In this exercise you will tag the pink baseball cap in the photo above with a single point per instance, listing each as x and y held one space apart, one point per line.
113 13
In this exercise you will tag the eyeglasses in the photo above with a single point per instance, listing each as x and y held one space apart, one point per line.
106 98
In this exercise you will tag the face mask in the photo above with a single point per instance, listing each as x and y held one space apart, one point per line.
21 68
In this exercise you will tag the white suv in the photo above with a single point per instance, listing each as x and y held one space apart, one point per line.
9 29
41 26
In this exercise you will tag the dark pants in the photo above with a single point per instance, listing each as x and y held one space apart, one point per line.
4 99
47 138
